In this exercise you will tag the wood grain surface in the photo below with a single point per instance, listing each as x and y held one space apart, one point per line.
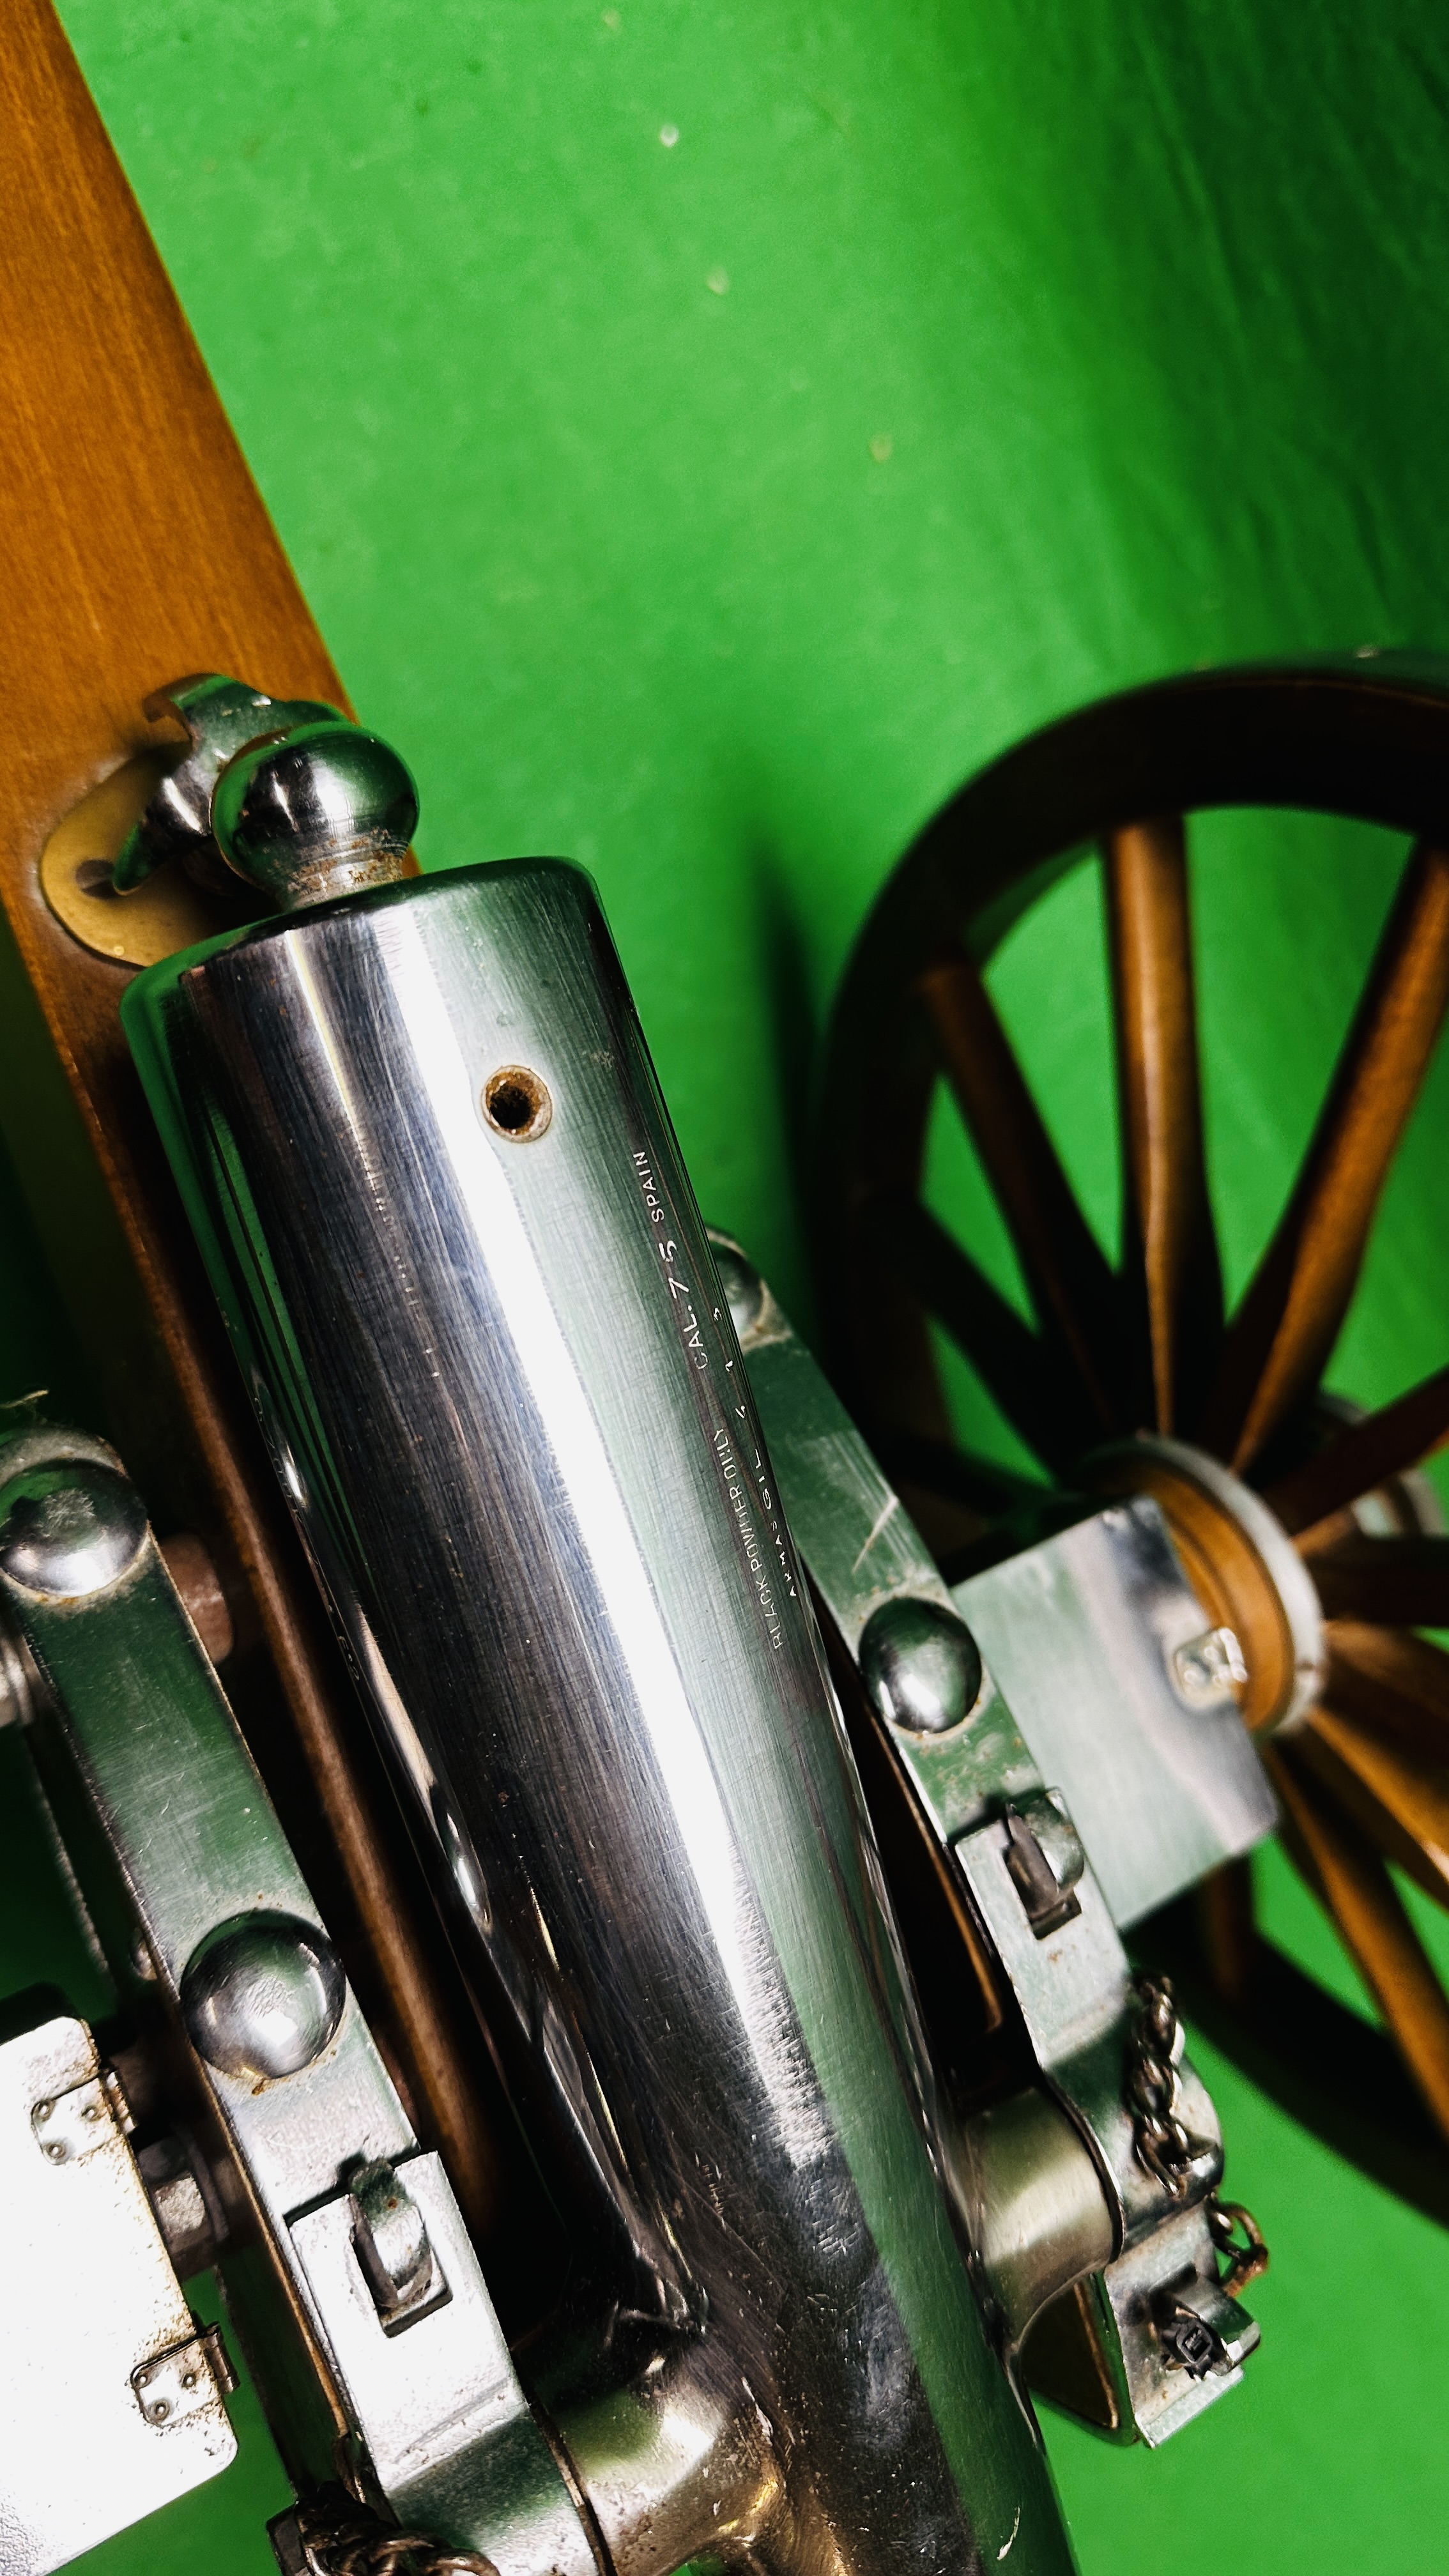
1342 1865
1394 1796
137 549
1169 1246
1068 1274
1371 1452
1397 1682
1284 1331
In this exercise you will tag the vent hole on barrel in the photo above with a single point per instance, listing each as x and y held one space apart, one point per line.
517 1103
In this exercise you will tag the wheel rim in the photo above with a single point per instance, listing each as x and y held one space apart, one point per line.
1364 1778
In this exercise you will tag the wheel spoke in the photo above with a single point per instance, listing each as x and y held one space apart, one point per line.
1039 1396
1170 1250
1288 1322
1395 1797
1352 1883
1395 1682
1395 1582
1071 1284
1383 1445
1227 1928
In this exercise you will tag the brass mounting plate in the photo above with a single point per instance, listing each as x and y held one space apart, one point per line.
169 912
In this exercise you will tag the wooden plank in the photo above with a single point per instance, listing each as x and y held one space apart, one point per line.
136 549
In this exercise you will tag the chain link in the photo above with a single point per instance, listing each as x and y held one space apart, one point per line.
1162 2145
1237 2236
358 2544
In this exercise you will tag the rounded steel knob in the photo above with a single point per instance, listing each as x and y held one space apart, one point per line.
920 1664
262 1996
69 1528
322 810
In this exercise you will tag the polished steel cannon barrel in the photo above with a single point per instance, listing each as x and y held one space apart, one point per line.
447 1218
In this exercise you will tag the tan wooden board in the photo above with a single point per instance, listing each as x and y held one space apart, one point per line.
136 549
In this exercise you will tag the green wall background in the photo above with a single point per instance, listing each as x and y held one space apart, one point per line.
705 509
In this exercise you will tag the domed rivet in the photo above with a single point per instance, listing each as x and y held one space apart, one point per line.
920 1664
262 1996
69 1528
324 810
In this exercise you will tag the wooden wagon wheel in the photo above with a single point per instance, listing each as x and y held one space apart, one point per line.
1144 1355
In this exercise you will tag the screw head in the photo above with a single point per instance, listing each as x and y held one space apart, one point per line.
920 1664
69 1527
262 1996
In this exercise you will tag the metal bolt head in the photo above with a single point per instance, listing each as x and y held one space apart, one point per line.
322 811
1210 1669
263 1995
69 1528
1188 2341
920 1664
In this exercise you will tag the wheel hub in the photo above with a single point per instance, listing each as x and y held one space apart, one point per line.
1241 1563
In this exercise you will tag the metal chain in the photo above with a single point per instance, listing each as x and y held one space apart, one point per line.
357 2544
1236 2234
1163 2147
